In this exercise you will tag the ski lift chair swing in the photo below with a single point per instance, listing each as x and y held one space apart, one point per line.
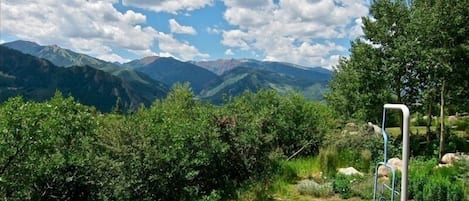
379 193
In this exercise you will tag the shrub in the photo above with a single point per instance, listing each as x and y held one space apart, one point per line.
49 141
353 185
440 188
342 185
365 159
462 167
328 161
462 124
418 120
310 187
427 183
351 147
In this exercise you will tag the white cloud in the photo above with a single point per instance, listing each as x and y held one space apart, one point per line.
182 50
175 27
229 52
357 31
170 6
92 27
2 41
295 31
236 38
213 30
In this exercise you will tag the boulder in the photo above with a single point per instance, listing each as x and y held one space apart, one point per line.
383 171
349 171
376 128
450 158
396 163
353 133
444 165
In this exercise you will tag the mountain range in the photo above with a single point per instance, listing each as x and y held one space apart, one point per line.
39 79
96 82
171 71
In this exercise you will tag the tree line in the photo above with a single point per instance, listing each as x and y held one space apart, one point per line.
414 54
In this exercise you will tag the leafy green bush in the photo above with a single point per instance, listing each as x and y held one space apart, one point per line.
45 150
351 146
462 167
462 124
427 183
440 188
177 149
418 120
343 184
353 185
292 123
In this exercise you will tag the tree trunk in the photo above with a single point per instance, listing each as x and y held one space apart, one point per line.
441 151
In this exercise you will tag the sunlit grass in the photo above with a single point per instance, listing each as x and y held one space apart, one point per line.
413 130
420 130
304 167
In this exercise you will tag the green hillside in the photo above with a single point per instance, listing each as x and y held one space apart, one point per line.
171 71
148 89
39 79
242 79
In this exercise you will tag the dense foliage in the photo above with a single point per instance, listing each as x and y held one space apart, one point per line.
430 183
177 149
405 56
412 54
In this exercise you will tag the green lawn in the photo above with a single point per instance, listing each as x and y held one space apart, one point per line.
414 130
420 130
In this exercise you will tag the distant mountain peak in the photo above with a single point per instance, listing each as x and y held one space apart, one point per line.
28 46
149 59
55 47
24 42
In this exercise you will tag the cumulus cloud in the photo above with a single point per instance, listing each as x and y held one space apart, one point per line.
170 6
181 50
229 52
296 31
175 27
92 27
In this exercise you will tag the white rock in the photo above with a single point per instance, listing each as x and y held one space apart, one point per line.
450 158
383 171
444 165
396 163
376 128
349 171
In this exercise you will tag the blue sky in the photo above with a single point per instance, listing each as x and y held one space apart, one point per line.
305 32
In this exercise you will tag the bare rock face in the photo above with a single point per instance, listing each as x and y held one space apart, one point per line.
349 171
